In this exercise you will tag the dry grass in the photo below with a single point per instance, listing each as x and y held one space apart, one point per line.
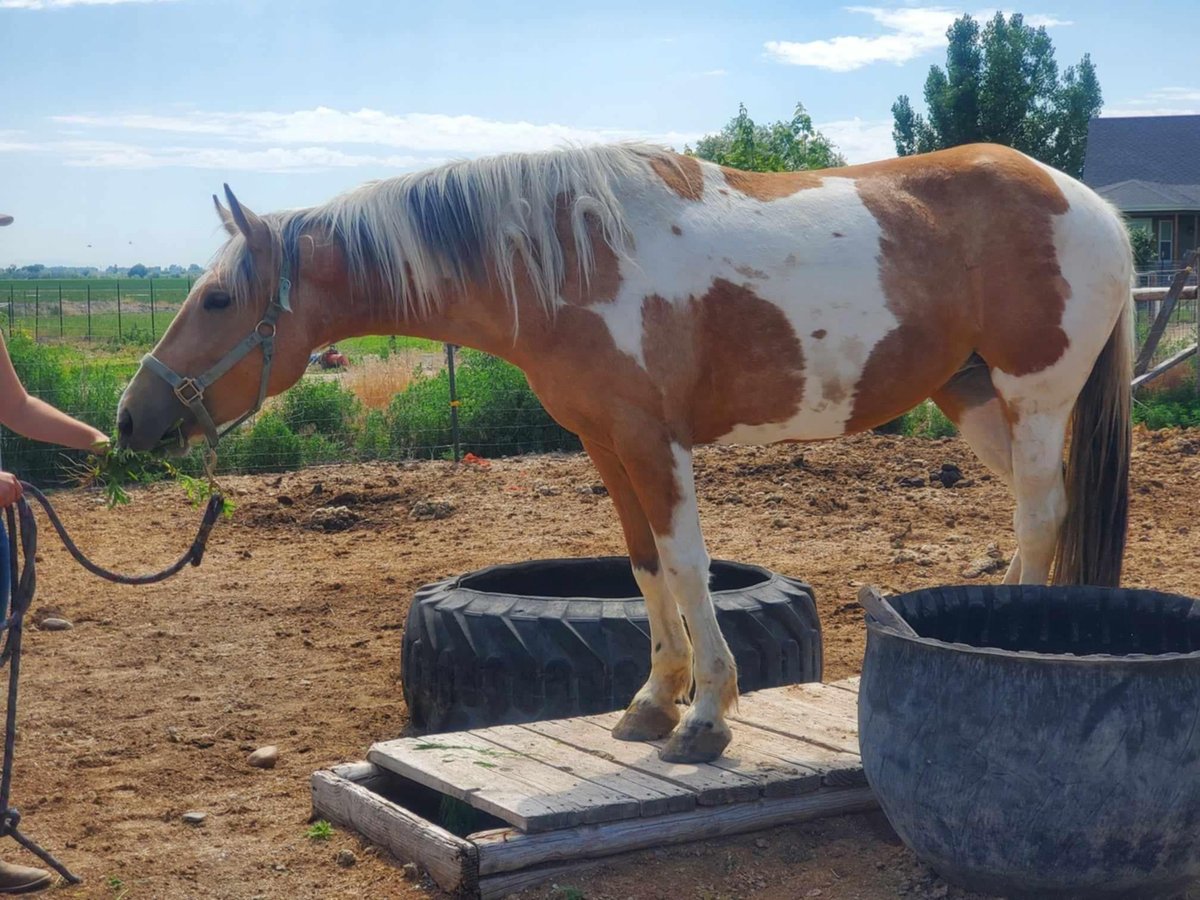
376 381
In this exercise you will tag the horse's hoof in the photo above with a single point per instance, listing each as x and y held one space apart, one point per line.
646 722
697 742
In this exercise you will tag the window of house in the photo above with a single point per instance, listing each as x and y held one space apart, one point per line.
1166 240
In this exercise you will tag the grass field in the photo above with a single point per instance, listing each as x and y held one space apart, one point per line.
20 290
130 311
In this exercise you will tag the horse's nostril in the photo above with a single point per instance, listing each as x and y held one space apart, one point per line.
125 424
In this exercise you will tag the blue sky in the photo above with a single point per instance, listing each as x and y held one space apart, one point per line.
119 118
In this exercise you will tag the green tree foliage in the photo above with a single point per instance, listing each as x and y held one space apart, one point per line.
778 147
1142 241
1001 84
138 271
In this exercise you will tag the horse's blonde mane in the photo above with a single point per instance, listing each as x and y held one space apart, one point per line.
460 222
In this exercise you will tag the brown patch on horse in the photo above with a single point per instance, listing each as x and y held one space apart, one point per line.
767 186
725 359
604 281
967 262
643 552
751 272
682 174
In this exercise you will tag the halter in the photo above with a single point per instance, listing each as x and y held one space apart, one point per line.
190 391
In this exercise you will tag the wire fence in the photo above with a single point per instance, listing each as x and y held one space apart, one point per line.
396 408
400 404
114 310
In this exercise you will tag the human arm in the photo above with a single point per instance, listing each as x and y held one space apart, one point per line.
37 419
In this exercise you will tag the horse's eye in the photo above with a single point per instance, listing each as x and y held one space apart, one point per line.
216 300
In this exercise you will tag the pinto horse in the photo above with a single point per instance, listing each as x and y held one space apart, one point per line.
656 302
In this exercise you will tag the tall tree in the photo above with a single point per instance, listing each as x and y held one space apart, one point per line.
784 146
1001 84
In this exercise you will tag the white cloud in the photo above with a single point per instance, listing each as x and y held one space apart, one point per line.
415 132
302 140
910 32
716 73
63 4
117 155
861 140
1168 101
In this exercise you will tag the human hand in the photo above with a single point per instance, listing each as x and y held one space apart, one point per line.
10 489
100 446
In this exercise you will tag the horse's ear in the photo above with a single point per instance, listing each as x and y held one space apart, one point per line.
254 229
226 217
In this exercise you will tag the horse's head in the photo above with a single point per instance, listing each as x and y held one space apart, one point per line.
243 333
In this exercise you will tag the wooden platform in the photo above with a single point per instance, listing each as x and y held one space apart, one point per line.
538 799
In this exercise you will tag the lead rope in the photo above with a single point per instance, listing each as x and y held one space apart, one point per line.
23 572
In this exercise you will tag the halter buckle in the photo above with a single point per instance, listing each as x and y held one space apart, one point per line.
188 392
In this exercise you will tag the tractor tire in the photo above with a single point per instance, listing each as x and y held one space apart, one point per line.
564 637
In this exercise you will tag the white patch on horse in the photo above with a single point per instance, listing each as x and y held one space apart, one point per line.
825 285
1089 240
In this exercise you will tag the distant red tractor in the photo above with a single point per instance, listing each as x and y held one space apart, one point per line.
329 358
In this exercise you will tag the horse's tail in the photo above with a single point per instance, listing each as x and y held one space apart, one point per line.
1092 543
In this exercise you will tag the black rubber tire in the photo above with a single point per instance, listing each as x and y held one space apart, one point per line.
564 637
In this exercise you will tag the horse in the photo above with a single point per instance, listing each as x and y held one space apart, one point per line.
657 302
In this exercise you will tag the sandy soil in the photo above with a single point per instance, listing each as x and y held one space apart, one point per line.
288 635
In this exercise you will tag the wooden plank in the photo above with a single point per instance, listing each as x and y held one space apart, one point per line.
507 850
522 791
655 796
712 786
1148 294
774 776
1165 366
847 684
823 696
799 720
452 862
833 768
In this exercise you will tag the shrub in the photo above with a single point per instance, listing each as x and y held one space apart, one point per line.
372 441
927 421
317 406
498 415
270 446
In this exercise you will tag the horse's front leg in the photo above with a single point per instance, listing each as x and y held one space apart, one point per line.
662 477
653 713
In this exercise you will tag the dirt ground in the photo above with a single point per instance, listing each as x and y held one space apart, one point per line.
288 635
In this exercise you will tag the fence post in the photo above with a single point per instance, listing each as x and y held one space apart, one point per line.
450 348
118 310
10 307
153 336
89 310
37 311
60 312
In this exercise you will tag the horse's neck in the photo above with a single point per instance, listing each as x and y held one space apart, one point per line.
480 317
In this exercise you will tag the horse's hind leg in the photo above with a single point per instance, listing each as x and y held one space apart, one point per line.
970 401
652 713
1039 488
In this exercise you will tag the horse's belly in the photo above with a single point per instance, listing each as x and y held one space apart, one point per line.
800 427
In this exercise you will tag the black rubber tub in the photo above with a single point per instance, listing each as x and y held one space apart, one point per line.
1040 742
561 637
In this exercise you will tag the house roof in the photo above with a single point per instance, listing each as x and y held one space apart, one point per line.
1145 162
